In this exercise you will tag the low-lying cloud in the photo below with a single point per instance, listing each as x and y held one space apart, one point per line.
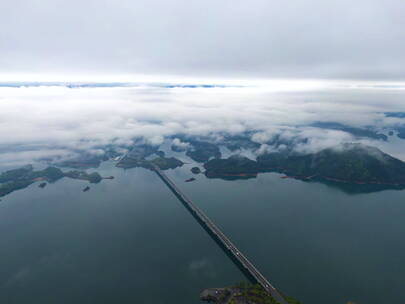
60 120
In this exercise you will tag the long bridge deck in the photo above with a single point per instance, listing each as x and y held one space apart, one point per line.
222 238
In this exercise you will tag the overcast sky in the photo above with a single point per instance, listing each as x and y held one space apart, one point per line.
362 39
325 45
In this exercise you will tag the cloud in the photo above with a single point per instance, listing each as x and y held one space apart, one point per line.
62 121
179 144
265 148
260 38
318 139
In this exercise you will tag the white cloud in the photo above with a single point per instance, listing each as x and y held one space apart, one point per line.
63 119
178 143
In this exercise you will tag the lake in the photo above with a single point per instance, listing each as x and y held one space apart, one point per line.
129 240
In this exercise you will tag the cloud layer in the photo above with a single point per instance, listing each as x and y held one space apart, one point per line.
59 121
257 38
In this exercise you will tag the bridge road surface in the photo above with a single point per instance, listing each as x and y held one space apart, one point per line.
222 238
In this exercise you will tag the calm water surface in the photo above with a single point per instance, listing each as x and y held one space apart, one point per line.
129 240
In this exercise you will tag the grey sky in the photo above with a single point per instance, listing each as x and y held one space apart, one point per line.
362 39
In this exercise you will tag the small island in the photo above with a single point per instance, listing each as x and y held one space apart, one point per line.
165 163
93 178
195 170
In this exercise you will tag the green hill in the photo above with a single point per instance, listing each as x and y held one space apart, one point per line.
348 163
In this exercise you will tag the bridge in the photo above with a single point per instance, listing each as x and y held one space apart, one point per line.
244 264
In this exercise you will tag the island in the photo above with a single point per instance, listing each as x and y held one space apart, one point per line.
235 166
195 170
347 163
140 156
203 151
20 178
165 163
141 151
85 160
199 150
93 177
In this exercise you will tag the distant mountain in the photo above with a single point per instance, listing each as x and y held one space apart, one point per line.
358 132
401 132
355 163
395 114
199 150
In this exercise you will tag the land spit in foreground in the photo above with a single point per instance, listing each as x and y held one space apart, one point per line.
242 293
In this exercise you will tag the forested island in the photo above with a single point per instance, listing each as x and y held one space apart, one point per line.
348 163
20 178
137 157
352 167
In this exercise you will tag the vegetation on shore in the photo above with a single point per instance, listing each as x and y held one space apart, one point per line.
243 293
202 151
233 166
350 163
137 157
93 177
163 163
